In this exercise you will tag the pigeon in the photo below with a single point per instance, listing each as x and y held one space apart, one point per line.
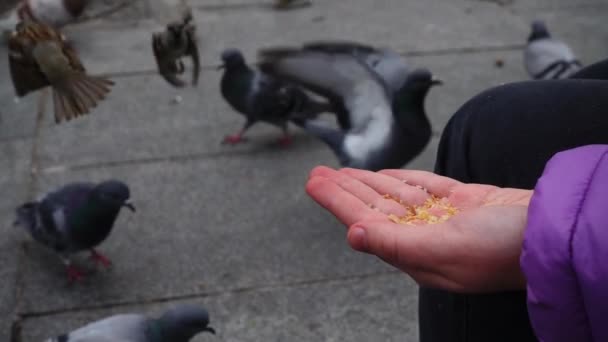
55 13
39 57
547 58
169 47
260 97
378 128
178 324
74 218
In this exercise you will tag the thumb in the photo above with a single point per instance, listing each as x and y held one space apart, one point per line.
402 246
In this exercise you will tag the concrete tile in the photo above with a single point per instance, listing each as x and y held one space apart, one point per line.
17 119
366 309
138 121
109 46
211 224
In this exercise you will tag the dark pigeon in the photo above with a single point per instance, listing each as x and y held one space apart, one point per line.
75 218
179 324
260 97
504 137
379 129
547 58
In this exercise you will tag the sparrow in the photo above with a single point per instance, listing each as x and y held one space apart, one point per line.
170 46
56 13
39 57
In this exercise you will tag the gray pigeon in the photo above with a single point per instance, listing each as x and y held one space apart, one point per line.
387 63
262 98
74 218
547 58
379 129
179 324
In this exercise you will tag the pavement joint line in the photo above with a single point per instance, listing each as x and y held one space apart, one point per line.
206 294
154 160
15 334
589 5
15 138
414 53
163 159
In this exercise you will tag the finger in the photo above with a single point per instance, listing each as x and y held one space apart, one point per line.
406 247
387 185
342 204
363 192
433 183
433 276
320 170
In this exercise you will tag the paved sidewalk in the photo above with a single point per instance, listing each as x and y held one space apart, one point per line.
231 227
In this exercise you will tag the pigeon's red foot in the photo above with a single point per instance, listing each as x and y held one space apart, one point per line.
285 141
233 139
74 274
100 259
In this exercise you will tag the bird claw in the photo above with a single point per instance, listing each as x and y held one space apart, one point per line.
233 139
74 274
100 259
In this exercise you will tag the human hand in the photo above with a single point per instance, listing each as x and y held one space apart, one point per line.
476 250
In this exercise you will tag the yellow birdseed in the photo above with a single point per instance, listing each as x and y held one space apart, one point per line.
433 210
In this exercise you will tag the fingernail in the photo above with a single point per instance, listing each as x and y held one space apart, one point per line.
358 239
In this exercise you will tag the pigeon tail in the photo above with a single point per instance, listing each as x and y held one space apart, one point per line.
26 215
332 137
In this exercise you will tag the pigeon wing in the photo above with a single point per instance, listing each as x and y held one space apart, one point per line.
387 63
341 78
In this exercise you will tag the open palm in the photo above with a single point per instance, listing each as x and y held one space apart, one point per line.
476 250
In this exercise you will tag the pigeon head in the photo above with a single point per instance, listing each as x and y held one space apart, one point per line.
115 194
419 82
539 31
232 58
183 322
413 92
75 7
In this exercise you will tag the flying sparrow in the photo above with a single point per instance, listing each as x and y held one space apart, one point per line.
39 57
170 46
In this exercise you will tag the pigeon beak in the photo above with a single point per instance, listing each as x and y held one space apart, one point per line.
436 81
129 205
209 330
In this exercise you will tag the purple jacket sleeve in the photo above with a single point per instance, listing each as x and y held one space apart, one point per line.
565 252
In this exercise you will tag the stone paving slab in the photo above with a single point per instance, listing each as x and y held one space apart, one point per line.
305 312
105 50
205 225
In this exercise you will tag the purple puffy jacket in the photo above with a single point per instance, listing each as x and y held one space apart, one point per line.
565 253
